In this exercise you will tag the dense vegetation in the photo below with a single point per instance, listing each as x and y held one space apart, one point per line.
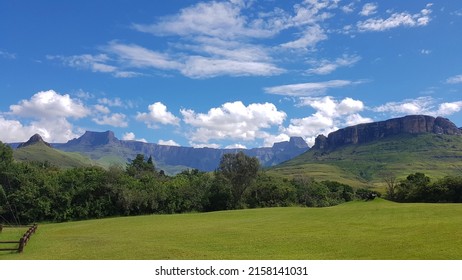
31 192
418 188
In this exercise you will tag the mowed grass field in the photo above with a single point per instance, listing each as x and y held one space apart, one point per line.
357 230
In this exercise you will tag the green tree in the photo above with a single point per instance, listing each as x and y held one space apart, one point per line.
139 168
241 171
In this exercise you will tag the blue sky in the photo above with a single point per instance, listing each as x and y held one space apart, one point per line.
230 73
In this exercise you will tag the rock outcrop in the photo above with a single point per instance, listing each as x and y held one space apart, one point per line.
91 138
364 133
35 139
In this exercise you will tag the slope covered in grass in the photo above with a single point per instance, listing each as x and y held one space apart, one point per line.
361 165
358 230
40 152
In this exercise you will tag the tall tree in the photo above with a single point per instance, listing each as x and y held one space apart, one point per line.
241 171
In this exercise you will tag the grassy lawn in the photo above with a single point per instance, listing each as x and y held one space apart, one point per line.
358 230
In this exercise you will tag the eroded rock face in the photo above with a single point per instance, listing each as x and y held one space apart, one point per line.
364 133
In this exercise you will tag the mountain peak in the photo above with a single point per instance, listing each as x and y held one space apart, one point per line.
92 138
363 133
36 138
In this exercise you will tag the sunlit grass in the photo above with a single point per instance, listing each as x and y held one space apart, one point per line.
356 230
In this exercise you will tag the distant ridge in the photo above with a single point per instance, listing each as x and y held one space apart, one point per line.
36 138
104 146
365 133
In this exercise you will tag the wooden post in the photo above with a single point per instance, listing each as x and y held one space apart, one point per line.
1 227
21 245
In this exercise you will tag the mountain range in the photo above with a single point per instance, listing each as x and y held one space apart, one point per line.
356 155
104 149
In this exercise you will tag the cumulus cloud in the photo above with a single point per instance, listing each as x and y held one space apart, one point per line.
130 136
395 20
46 113
309 89
236 146
158 114
57 130
168 143
49 104
329 115
233 120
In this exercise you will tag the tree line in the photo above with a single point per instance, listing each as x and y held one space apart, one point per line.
418 187
32 192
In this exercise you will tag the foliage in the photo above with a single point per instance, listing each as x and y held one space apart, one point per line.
418 187
32 192
241 171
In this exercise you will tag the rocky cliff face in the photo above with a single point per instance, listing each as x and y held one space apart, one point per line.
364 133
91 138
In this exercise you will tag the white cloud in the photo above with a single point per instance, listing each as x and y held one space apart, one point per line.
449 108
310 37
425 51
139 57
455 79
369 9
116 120
46 113
158 114
216 38
213 19
202 67
100 63
102 109
115 102
325 66
57 130
168 143
422 105
271 139
233 121
236 146
7 55
130 136
309 89
329 115
205 145
347 9
396 20
50 104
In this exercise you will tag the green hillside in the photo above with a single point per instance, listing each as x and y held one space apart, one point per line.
362 165
377 229
40 152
